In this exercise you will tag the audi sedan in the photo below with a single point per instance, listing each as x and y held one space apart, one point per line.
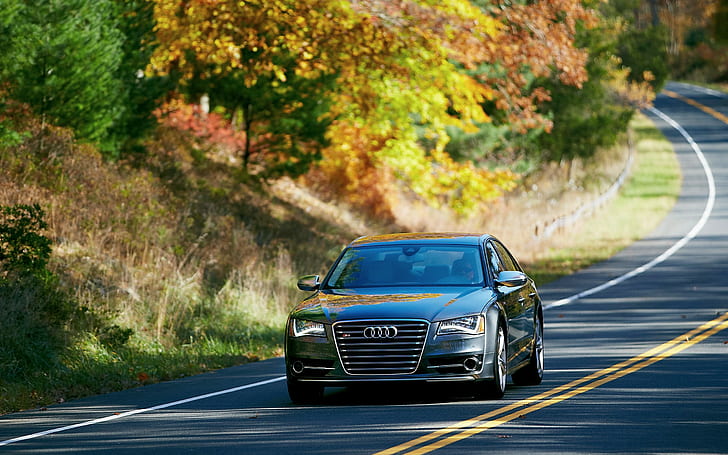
426 307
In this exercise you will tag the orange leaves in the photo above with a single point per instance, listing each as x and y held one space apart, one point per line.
351 171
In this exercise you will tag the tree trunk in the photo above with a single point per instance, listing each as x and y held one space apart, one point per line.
247 127
654 11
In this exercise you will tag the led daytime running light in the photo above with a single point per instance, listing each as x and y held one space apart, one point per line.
471 325
307 328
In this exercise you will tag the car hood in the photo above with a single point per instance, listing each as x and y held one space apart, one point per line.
383 303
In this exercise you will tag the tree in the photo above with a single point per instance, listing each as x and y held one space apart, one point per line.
594 115
139 94
537 42
575 111
282 124
8 14
62 59
536 51
36 312
675 37
644 52
393 62
720 18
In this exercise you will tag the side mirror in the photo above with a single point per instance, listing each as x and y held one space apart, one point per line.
511 279
309 283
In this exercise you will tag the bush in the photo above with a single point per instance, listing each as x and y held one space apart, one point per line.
23 250
35 310
32 329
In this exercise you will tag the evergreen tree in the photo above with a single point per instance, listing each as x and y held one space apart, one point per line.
645 50
140 93
8 12
62 58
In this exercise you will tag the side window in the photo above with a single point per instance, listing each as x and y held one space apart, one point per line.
506 259
494 262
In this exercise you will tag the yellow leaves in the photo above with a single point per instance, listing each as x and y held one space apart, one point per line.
280 74
637 94
365 166
462 186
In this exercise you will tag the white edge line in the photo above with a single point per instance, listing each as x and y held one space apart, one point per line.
139 411
675 247
679 244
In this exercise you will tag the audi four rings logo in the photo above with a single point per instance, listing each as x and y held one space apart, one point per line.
380 331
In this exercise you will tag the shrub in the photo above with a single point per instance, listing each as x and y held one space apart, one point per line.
32 329
35 310
23 250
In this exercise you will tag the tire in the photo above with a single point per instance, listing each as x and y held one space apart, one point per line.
532 373
495 388
304 393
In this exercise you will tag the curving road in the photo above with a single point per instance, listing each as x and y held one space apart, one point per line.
637 360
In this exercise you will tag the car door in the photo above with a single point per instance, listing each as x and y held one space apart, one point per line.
525 296
509 298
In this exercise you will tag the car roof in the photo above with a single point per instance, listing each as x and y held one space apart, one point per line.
450 238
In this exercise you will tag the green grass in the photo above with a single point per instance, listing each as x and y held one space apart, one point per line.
90 368
647 196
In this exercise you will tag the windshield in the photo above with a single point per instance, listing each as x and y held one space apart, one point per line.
407 265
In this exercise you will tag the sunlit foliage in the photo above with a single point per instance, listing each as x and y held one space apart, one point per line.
405 71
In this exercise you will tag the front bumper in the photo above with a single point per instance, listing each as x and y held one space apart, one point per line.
443 358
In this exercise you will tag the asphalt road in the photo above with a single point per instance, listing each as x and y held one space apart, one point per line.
636 365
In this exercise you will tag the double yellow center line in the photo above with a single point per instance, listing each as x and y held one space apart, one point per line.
702 107
467 428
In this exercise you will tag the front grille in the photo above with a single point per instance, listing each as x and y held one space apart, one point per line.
377 354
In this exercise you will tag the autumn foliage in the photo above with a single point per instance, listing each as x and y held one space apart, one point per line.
208 127
405 71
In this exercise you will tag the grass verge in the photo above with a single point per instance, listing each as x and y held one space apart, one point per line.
647 196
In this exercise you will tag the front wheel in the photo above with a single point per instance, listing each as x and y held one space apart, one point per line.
532 373
496 387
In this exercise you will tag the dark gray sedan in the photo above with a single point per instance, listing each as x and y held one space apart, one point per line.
417 307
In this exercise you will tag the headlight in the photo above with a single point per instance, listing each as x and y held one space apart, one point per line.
307 328
469 325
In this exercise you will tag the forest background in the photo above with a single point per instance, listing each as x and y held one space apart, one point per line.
167 168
